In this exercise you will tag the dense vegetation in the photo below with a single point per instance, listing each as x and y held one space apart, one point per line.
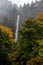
6 43
29 48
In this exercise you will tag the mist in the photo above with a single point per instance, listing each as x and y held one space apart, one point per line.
5 7
9 12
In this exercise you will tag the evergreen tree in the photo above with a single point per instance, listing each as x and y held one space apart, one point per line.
29 35
6 40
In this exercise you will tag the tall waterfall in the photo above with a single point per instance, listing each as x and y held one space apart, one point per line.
17 28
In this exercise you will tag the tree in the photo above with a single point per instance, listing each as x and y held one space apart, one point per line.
40 16
40 19
6 40
28 45
35 61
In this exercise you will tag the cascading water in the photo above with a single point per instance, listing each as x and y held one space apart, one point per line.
17 28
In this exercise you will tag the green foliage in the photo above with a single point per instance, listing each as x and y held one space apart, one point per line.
31 32
29 44
6 40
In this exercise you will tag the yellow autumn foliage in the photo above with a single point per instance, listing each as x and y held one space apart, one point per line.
7 30
40 16
35 61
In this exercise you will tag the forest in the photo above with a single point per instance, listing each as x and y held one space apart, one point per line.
9 12
28 49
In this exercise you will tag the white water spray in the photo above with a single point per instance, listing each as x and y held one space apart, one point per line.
17 28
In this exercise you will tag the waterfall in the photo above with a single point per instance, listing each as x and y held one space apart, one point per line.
17 28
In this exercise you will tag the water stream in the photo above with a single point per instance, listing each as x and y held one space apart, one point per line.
17 28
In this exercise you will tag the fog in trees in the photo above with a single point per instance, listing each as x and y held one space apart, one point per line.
9 12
